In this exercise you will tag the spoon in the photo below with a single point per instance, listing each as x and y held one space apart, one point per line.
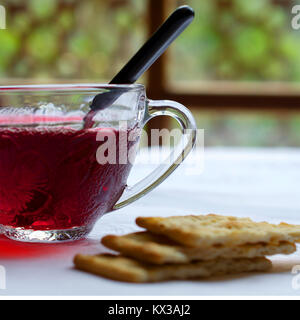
179 20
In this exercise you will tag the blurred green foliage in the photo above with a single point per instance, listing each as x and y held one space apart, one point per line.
250 129
239 40
69 39
75 39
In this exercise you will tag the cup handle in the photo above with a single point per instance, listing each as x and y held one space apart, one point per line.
188 140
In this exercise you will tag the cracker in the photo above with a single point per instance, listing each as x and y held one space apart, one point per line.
156 249
129 270
204 231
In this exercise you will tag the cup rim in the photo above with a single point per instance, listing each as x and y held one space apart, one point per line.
87 87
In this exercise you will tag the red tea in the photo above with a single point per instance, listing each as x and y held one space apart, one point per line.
50 178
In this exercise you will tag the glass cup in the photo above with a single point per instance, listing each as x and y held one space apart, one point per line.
57 178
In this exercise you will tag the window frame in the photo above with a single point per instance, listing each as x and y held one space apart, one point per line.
282 97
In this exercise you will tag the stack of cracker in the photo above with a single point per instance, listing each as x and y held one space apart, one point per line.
191 247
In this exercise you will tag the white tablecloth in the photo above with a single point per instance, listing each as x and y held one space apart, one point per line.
262 184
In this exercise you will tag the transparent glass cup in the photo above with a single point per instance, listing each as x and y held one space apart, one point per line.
56 178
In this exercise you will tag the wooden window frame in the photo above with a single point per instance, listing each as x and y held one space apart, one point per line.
233 96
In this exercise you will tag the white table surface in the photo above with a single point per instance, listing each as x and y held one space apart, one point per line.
263 184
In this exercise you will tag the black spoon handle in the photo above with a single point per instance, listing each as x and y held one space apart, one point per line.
155 46
147 55
143 59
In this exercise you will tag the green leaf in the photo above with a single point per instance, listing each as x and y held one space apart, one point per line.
9 46
43 44
42 8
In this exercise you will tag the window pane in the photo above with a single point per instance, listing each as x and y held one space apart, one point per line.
248 129
238 40
69 39
259 129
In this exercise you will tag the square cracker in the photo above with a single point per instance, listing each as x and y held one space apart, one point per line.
156 249
207 231
129 270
